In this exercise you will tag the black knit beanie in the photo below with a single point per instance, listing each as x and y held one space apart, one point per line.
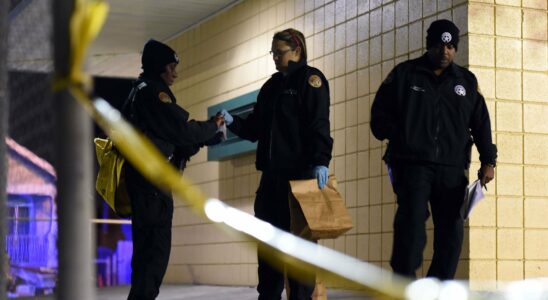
156 56
443 32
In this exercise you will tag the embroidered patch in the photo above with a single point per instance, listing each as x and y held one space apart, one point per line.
446 37
164 97
315 81
176 57
417 88
460 90
290 92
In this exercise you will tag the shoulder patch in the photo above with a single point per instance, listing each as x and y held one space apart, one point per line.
164 97
460 90
315 81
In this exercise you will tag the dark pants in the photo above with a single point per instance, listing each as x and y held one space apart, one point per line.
152 213
416 185
272 206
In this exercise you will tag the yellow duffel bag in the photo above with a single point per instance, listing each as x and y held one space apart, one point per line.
110 182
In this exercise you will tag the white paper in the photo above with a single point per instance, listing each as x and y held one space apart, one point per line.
474 196
222 129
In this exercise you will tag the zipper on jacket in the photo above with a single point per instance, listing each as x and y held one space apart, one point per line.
437 133
436 138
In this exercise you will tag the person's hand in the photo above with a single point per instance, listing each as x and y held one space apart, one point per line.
321 173
486 173
227 117
219 120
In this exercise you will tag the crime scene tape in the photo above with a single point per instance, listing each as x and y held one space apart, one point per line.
298 254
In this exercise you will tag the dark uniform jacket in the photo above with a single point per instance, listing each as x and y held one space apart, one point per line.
432 119
154 111
290 121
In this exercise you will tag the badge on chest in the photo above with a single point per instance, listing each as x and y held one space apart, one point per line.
292 92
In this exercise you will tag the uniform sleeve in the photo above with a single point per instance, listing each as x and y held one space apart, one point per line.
169 121
480 126
383 110
248 128
317 103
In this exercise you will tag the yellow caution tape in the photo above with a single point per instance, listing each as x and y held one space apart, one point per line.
85 23
299 255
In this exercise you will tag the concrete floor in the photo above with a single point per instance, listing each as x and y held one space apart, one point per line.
204 292
208 292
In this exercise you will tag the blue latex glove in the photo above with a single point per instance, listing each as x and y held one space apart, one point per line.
228 118
321 173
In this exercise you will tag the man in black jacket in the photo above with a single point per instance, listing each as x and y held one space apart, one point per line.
154 110
430 109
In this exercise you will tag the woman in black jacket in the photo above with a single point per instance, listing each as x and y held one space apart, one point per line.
290 121
154 110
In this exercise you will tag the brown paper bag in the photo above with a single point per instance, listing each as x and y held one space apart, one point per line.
317 214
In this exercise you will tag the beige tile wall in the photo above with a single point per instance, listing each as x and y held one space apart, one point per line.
356 43
509 54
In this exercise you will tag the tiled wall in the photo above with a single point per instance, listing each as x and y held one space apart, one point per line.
356 43
508 52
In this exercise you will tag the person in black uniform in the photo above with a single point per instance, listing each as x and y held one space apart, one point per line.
154 111
290 121
430 109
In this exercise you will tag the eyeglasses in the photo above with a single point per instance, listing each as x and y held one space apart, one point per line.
279 53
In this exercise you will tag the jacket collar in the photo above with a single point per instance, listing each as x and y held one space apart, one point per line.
425 65
158 82
293 66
